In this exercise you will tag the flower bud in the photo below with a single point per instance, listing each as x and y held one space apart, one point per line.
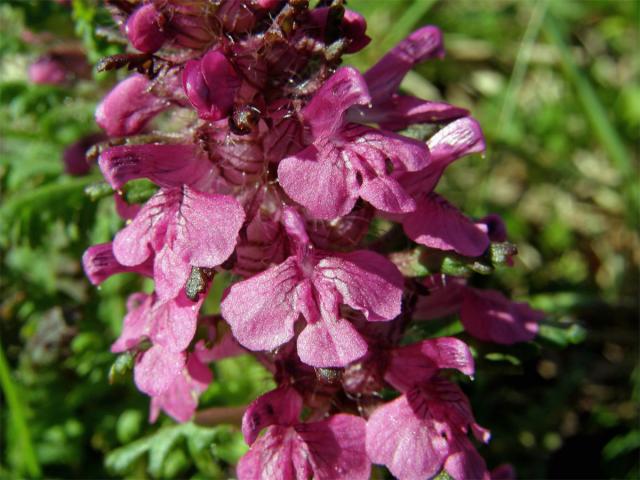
211 84
144 29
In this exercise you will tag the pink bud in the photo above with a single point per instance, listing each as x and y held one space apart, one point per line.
47 71
144 29
211 84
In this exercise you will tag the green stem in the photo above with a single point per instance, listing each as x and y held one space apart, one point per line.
406 23
17 415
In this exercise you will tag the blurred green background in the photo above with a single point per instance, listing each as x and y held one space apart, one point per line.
554 85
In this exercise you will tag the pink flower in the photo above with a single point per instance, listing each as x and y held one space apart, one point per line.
486 314
424 430
330 449
348 161
184 228
262 310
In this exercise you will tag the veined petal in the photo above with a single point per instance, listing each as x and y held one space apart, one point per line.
419 362
133 244
405 441
165 165
129 107
325 112
438 224
206 227
337 447
278 454
180 399
365 280
490 316
281 406
99 264
136 323
173 322
318 179
330 342
157 369
457 139
465 462
260 310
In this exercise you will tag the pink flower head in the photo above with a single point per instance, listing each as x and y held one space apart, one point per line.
184 228
211 84
415 434
331 449
129 107
348 161
144 29
165 165
262 310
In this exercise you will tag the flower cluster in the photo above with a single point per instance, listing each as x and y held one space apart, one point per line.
275 163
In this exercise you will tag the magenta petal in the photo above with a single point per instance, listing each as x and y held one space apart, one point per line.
414 364
459 138
403 441
281 406
128 107
330 342
165 165
136 324
143 29
174 322
325 112
319 181
444 298
404 110
206 228
180 399
384 151
211 84
365 280
437 224
465 462
384 78
260 310
337 448
157 369
386 194
99 264
170 273
490 316
278 454
132 245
